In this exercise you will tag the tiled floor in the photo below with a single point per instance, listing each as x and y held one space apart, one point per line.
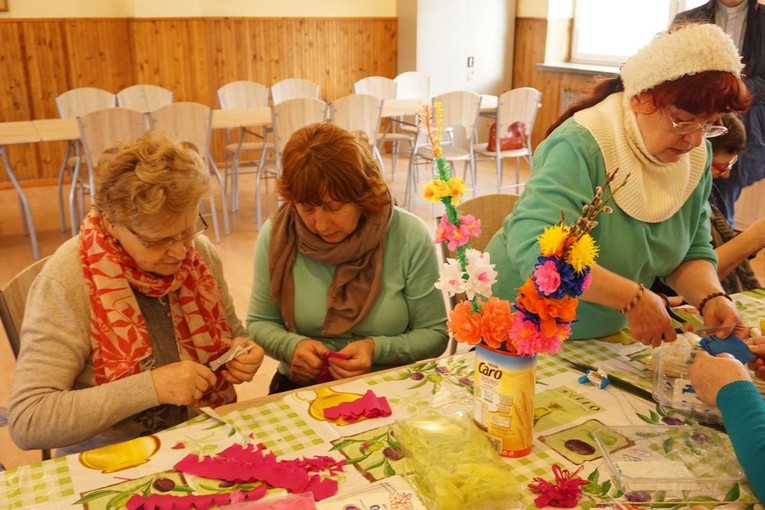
236 253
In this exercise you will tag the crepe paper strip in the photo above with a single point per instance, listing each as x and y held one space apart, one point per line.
241 464
179 446
565 492
732 345
324 375
369 406
199 502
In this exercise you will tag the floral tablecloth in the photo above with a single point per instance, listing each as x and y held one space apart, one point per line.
566 414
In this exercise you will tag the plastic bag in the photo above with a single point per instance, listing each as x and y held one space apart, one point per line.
513 138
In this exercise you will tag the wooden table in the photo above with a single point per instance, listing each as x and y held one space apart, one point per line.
13 133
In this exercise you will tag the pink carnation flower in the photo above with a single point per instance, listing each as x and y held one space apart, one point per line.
547 277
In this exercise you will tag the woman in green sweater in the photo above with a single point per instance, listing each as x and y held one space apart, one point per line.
649 124
344 280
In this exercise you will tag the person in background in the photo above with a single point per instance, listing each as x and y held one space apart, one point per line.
124 318
649 125
744 21
733 250
723 381
344 280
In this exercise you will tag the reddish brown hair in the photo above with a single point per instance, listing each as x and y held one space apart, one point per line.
705 93
323 159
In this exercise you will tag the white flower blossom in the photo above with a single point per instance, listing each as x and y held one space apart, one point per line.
481 274
451 278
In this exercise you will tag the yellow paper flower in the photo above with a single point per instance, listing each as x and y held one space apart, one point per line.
437 189
582 253
456 189
551 242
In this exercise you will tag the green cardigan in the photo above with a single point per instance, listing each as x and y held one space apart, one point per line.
567 167
407 323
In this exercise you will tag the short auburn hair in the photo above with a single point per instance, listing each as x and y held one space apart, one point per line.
326 160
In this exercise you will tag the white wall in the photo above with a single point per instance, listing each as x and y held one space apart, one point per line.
436 37
194 8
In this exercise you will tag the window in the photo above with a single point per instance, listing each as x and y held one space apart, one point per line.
606 32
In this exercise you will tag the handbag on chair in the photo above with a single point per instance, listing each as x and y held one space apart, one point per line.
513 138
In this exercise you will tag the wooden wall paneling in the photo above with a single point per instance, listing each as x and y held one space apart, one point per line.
15 99
99 53
47 71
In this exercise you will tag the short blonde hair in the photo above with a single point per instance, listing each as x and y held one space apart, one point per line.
150 181
324 159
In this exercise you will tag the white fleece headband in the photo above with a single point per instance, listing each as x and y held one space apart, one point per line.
691 49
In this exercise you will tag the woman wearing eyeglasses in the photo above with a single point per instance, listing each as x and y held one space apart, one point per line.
650 125
125 318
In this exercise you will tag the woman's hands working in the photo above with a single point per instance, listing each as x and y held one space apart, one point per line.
312 356
185 382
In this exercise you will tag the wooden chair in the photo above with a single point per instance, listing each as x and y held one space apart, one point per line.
101 132
13 301
293 88
144 98
491 210
191 124
460 110
516 105
385 88
286 118
236 95
359 113
71 104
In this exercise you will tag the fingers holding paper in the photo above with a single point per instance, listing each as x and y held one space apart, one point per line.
243 366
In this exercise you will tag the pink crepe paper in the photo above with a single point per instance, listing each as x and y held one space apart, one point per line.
324 375
565 492
369 406
179 446
242 464
199 502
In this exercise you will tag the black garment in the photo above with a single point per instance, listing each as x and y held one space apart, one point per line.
281 382
750 166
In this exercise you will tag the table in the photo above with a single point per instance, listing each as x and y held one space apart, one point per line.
12 133
290 425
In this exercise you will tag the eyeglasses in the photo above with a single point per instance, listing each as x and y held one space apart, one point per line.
686 127
165 243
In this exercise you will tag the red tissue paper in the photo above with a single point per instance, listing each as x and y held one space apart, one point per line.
246 464
565 492
369 406
324 375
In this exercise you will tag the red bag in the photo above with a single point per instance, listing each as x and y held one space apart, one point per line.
513 138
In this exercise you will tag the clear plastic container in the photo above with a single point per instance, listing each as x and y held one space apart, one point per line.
671 463
672 388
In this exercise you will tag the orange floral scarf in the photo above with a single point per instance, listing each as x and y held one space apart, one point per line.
118 330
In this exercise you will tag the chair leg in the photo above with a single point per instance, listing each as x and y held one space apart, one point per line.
499 173
62 169
74 214
234 189
213 216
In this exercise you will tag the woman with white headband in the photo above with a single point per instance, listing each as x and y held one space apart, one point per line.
650 125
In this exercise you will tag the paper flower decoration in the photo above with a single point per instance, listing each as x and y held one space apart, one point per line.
540 319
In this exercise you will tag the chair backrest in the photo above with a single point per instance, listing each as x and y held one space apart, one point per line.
13 301
357 112
102 131
187 122
292 88
377 86
413 85
76 102
289 116
144 97
459 111
242 94
518 105
492 210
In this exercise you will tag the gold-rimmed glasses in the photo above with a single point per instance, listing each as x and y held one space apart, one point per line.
166 242
686 127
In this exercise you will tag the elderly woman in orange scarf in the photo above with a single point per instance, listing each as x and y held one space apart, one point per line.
124 319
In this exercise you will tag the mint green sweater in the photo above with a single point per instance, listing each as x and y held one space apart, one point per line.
407 323
567 167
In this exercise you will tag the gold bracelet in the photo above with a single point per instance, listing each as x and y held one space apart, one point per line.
634 301
710 297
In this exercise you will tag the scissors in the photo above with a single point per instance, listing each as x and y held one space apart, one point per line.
685 327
